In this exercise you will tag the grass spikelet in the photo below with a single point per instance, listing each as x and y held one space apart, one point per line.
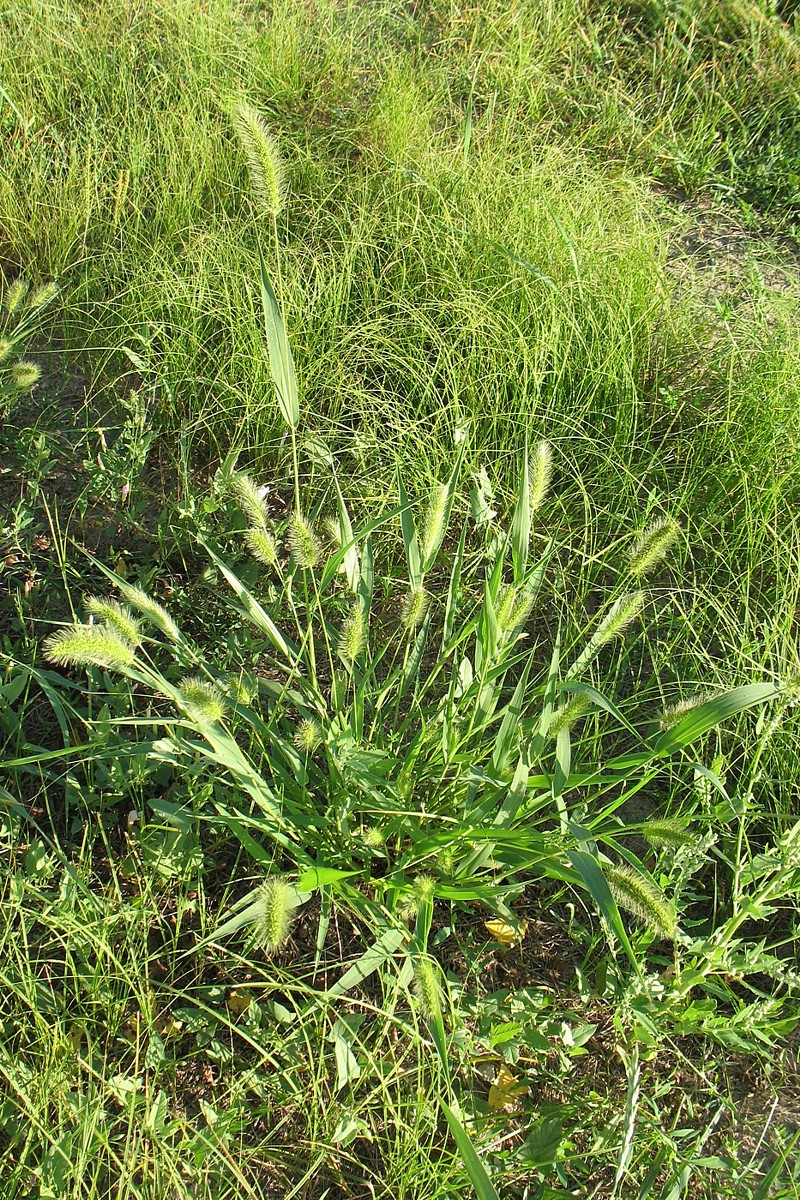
642 900
415 606
261 545
26 374
44 295
6 346
433 527
662 832
276 903
201 701
264 162
303 542
117 617
676 712
353 638
653 546
308 736
570 712
151 610
251 499
623 613
540 471
15 296
427 986
89 645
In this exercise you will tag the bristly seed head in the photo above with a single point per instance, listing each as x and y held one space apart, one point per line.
540 472
427 986
676 712
89 645
660 831
25 374
569 712
433 528
353 638
151 610
44 295
303 542
267 172
626 610
6 346
262 546
653 545
15 296
276 901
117 616
642 899
308 736
251 499
415 606
201 701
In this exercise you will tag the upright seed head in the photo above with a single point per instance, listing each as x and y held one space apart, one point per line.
643 900
44 295
6 346
117 616
353 638
276 901
427 986
415 606
653 545
674 713
89 645
201 701
25 374
433 528
267 172
308 736
626 610
15 296
569 712
303 542
540 472
251 499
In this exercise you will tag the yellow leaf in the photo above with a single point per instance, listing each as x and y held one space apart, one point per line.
506 934
239 1002
505 1091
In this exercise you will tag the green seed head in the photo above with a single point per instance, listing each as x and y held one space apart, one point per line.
433 528
427 985
643 900
675 713
308 736
653 545
415 606
44 295
25 374
353 638
117 617
276 901
89 645
15 296
151 610
626 610
267 172
570 712
303 543
374 837
662 832
261 545
6 346
201 701
251 499
540 473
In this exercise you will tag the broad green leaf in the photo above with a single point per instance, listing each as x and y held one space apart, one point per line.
410 539
252 609
318 877
590 871
707 716
352 567
383 948
508 733
281 362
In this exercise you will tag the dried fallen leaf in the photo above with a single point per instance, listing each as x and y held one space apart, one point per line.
506 934
505 1092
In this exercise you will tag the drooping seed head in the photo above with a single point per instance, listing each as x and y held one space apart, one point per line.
262 546
44 295
89 645
642 899
151 610
625 611
653 545
201 701
117 616
674 713
660 831
415 606
303 542
276 902
251 499
25 374
264 162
